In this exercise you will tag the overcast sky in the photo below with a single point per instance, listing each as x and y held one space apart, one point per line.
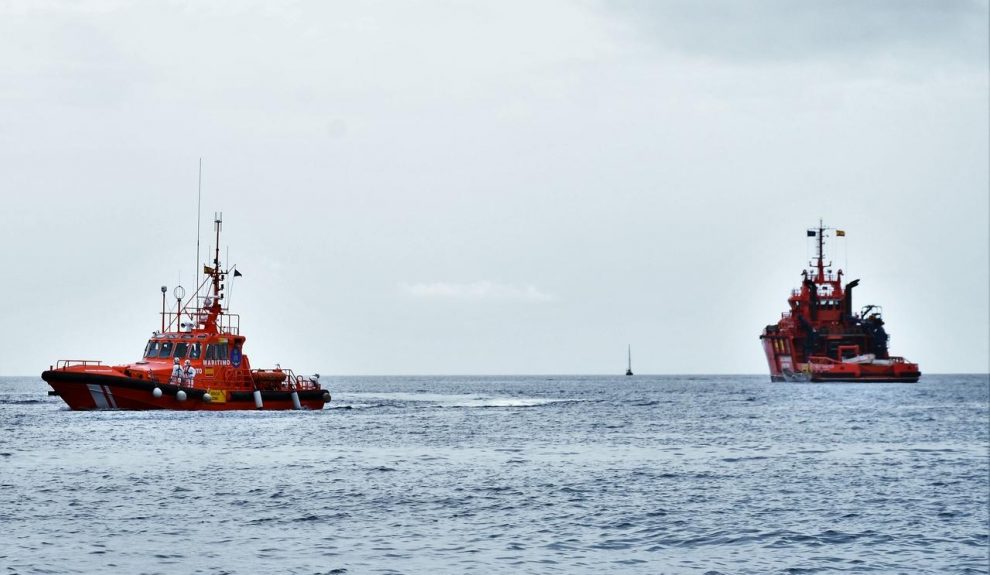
447 187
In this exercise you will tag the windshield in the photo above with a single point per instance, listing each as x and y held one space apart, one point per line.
165 350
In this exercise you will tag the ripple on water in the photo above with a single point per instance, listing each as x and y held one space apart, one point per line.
509 475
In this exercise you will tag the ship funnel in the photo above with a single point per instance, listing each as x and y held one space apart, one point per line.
848 295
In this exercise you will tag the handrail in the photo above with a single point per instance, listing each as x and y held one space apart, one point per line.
290 381
66 363
827 276
240 377
227 323
232 325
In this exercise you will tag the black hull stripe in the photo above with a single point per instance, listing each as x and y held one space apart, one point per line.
55 376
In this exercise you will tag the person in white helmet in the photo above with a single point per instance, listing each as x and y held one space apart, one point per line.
188 374
176 372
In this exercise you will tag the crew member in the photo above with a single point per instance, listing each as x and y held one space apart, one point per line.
176 372
188 374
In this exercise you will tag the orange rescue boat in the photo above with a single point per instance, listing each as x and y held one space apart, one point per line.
195 362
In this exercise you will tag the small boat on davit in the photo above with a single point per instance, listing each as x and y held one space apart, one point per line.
821 339
196 362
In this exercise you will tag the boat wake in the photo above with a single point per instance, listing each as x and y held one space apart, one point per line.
434 400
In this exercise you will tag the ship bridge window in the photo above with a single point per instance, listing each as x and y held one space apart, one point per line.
165 350
151 350
216 351
180 350
194 350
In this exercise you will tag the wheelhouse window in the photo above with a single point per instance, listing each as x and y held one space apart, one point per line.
216 351
165 350
181 349
151 350
194 350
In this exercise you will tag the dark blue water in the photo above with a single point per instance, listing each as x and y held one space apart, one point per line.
508 475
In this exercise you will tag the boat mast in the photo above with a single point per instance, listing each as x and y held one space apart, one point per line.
199 203
821 244
217 223
630 358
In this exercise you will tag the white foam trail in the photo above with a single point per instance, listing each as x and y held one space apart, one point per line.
442 400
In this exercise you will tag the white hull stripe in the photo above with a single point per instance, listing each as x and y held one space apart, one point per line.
102 396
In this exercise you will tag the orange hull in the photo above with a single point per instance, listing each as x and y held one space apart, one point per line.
88 391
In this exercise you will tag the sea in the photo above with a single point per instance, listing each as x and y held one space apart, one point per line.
528 474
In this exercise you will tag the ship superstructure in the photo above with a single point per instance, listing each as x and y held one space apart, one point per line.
822 338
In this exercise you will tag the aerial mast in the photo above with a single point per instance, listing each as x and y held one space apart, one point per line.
199 202
217 223
821 243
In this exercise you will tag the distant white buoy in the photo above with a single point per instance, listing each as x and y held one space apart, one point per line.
180 395
207 398
257 399
295 400
157 392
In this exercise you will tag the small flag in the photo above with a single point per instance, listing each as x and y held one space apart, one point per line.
208 270
812 233
237 274
840 233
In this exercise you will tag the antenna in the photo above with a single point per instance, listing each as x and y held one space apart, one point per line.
199 202
218 224
821 255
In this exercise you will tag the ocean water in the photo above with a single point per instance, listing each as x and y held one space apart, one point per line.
434 475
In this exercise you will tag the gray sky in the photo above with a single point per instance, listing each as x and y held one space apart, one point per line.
499 187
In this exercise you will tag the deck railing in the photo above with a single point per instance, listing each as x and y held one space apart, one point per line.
66 363
227 323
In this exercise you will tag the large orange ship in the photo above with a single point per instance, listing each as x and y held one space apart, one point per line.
195 362
821 338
